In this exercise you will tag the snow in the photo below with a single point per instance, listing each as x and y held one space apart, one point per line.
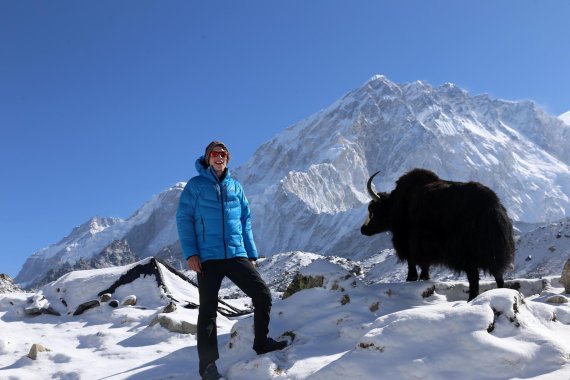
354 326
565 117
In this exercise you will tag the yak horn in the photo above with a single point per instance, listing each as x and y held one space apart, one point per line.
372 193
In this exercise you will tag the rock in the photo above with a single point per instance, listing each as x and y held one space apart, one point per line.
129 300
106 297
39 305
114 303
51 311
301 282
36 348
171 307
172 325
86 306
565 278
33 311
557 299
37 301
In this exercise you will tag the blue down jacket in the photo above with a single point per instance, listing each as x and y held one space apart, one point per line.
213 218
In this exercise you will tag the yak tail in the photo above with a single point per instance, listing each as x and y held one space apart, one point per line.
496 238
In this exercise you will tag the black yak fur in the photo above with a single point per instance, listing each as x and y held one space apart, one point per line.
460 225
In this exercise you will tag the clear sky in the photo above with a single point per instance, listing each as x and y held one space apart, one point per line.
104 104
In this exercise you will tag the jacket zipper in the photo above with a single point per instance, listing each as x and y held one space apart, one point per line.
203 230
223 220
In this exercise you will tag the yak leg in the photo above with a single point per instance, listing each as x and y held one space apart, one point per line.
473 278
499 280
424 275
412 272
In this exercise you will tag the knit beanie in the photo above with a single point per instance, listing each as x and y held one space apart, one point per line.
211 147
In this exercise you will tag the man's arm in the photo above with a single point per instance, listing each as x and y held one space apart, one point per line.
186 227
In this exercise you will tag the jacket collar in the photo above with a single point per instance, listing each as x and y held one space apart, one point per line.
209 172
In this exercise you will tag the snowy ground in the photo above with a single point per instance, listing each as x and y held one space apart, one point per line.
350 327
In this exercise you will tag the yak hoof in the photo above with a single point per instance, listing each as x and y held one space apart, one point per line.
472 296
412 278
424 276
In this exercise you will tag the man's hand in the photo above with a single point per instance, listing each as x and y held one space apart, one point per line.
194 264
253 263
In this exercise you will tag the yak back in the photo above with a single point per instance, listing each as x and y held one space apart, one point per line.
460 225
407 188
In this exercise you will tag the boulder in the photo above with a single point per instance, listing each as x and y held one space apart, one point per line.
301 282
39 305
36 348
129 300
50 310
177 326
33 311
557 299
86 306
171 307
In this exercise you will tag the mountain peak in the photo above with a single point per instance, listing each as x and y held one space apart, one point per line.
380 84
91 227
379 78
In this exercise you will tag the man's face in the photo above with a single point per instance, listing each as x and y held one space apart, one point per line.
218 162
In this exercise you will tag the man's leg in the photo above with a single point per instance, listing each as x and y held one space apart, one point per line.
209 282
242 273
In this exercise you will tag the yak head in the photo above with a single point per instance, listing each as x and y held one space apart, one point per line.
378 219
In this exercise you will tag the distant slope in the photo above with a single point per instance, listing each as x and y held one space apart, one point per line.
146 233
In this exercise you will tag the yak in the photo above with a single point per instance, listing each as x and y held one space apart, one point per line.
460 225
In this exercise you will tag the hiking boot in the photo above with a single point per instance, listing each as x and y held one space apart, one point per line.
269 345
211 373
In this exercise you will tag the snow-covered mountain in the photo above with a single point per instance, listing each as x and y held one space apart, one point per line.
108 241
306 186
7 284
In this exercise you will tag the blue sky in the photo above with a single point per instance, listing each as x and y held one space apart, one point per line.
104 104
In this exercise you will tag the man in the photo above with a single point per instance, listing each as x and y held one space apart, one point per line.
214 226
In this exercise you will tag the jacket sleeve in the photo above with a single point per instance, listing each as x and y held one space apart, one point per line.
247 233
185 221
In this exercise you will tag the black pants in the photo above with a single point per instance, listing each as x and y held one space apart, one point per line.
242 273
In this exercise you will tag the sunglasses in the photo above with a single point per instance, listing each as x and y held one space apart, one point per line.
216 154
